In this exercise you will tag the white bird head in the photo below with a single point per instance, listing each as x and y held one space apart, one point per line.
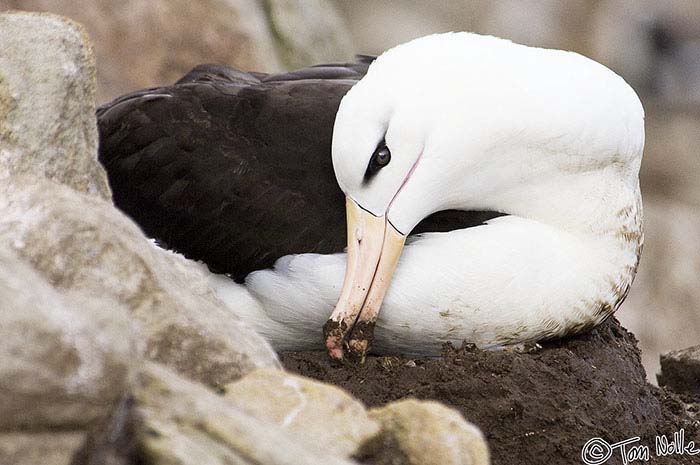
462 121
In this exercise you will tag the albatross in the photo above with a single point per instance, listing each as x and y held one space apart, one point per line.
486 191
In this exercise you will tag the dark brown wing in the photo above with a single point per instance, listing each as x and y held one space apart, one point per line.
234 168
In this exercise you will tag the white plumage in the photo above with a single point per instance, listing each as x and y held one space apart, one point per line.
549 137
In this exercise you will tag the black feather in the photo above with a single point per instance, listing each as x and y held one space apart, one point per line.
234 168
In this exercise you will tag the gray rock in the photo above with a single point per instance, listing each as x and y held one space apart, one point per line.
47 102
680 371
185 423
65 360
319 415
425 433
80 243
66 364
56 448
83 245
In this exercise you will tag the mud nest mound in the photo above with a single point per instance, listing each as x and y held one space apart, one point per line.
535 406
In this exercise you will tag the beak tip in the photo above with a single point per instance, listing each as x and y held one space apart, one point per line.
336 353
333 336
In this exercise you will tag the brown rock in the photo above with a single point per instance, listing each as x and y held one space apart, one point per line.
680 371
145 43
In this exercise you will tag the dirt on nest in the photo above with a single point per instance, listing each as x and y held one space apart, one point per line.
535 407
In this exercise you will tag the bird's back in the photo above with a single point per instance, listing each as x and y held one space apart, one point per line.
234 168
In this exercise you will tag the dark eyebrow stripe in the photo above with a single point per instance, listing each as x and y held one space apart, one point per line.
369 173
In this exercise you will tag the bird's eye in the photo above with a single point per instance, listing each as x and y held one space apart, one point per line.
380 158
